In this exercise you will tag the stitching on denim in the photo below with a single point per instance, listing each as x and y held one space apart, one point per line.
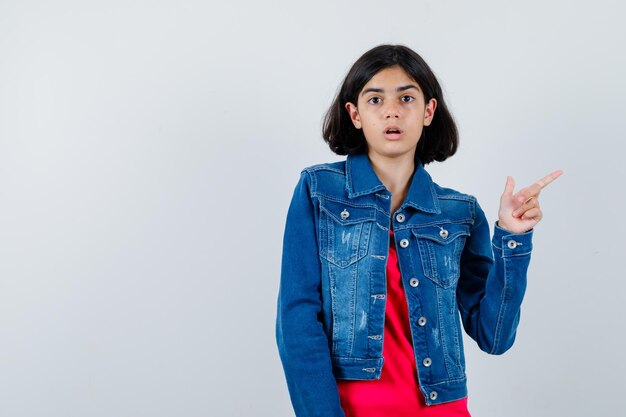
431 270
368 191
324 167
364 240
460 197
444 343
313 181
352 358
512 255
473 210
360 242
349 187
374 349
355 222
333 308
457 342
434 272
328 166
349 203
433 223
423 253
330 236
369 309
497 330
352 310
413 261
449 240
435 197
418 206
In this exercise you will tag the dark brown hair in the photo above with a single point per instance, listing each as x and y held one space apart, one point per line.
439 140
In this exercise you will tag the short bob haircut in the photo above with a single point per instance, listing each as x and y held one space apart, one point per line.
439 140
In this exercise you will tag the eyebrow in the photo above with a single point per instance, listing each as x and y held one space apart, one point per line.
380 90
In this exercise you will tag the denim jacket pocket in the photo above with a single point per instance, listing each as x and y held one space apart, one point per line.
440 248
344 231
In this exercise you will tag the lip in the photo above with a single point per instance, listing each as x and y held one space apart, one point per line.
392 136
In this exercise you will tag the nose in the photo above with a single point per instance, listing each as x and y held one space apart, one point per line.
392 110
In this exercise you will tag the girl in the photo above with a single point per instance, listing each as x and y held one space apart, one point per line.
382 267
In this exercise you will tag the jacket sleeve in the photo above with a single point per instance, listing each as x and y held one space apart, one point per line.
492 283
302 344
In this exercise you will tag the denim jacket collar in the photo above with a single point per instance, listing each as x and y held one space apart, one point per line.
361 179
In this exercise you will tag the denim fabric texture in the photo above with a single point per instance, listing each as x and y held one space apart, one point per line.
332 293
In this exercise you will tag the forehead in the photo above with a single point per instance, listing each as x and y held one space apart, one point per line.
392 77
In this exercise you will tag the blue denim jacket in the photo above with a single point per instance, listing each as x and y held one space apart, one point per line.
331 299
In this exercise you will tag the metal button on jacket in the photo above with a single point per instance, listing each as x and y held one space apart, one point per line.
427 362
421 321
400 217
404 243
512 244
443 233
414 282
433 395
345 214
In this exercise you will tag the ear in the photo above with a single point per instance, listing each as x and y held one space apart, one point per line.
429 111
353 111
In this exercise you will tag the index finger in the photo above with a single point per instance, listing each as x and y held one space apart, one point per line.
525 194
549 178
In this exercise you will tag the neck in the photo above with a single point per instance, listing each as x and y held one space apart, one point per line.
395 173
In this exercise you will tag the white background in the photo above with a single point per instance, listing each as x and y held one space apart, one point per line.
149 151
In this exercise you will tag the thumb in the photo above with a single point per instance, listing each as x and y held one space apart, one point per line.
510 185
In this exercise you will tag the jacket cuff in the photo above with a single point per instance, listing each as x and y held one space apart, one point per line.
510 243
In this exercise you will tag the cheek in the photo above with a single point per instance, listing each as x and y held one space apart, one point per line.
370 125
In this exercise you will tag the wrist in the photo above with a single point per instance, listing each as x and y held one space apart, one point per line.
504 226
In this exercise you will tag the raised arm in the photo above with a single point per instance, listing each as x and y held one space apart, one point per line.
493 271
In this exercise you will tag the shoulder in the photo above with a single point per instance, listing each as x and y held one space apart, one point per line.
447 193
338 167
452 199
325 176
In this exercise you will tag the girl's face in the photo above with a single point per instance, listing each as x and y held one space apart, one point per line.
392 113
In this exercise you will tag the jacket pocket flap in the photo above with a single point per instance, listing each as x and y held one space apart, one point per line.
442 233
347 214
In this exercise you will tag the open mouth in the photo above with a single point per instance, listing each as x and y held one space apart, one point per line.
393 132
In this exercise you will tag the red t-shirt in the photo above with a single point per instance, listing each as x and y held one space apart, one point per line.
397 392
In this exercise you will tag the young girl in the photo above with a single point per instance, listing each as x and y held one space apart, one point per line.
381 266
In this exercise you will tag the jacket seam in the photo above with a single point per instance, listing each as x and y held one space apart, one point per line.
323 167
496 336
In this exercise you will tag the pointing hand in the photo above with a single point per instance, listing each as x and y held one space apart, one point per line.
520 212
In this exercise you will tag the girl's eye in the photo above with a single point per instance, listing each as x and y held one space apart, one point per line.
374 100
407 99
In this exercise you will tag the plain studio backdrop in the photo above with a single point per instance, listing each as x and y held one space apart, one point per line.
149 151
